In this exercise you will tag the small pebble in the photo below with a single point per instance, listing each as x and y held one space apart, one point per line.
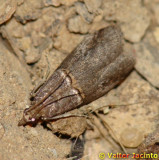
131 137
83 12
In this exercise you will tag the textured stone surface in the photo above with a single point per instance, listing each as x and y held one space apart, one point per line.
148 60
7 8
55 3
41 34
66 41
30 10
135 106
78 25
83 12
133 17
155 8
156 34
93 5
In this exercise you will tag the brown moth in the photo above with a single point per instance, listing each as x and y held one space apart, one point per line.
90 71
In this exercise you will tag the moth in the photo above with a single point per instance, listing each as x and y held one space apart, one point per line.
96 66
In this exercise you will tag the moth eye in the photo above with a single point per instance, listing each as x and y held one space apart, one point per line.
32 119
28 117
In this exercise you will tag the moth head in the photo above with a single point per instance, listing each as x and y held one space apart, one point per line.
27 118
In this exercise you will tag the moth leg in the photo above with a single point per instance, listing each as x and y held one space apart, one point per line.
74 143
48 69
65 115
77 148
44 79
36 88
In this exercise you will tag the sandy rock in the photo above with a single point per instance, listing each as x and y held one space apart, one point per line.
147 59
96 142
97 26
69 13
144 100
30 10
78 25
32 55
93 5
83 12
14 29
30 40
132 101
68 2
133 17
7 8
98 23
14 79
155 8
96 149
19 2
21 44
55 3
131 137
66 41
72 127
156 34
2 131
25 43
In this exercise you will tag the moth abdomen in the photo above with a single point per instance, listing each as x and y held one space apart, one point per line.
90 71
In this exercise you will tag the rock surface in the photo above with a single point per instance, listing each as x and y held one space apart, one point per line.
7 8
37 36
148 60
133 17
